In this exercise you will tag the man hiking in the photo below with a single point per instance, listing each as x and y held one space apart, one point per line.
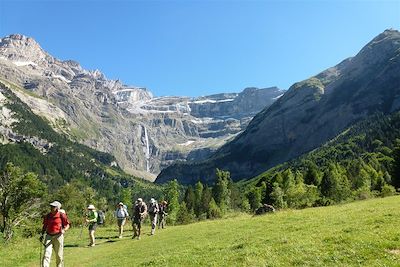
121 213
153 211
91 219
162 214
55 224
139 212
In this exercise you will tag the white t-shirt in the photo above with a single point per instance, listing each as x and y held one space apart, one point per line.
121 213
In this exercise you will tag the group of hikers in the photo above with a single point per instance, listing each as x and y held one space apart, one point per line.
56 222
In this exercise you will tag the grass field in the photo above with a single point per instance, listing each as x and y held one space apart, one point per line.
364 233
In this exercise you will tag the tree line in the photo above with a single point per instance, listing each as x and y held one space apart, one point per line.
362 162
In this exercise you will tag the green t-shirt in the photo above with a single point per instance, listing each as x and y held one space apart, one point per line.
92 216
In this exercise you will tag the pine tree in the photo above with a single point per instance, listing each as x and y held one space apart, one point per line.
184 216
214 211
172 197
190 198
335 185
221 191
288 179
254 197
198 192
277 197
205 200
313 175
395 173
236 197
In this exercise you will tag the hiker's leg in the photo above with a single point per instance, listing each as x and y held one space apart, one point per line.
139 226
153 223
134 226
48 249
121 224
91 237
162 221
58 245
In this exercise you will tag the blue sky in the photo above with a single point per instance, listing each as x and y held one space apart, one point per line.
194 48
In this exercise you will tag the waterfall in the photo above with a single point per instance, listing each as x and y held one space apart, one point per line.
147 152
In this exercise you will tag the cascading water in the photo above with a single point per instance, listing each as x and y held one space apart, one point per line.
147 151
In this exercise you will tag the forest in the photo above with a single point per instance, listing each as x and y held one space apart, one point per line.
362 162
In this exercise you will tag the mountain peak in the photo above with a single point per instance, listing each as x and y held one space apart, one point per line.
18 47
18 40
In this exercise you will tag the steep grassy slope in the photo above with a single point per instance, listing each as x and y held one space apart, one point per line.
356 234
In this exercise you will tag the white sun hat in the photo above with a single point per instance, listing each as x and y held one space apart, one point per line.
56 204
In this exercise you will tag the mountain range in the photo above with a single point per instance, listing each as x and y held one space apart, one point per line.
308 115
143 132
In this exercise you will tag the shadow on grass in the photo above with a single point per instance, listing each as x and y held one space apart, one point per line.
71 246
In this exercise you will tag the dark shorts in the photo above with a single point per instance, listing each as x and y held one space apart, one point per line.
92 226
121 221
137 221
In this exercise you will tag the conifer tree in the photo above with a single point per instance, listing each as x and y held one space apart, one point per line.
213 211
277 197
221 190
198 192
184 216
190 198
312 175
172 196
395 175
254 197
205 199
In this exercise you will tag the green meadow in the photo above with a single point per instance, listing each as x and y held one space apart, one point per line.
362 233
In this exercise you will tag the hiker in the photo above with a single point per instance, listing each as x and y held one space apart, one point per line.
139 212
55 224
121 213
153 211
162 212
91 219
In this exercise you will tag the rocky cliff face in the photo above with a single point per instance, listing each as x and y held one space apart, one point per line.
310 113
144 133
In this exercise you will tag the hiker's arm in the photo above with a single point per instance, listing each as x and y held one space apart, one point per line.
65 222
44 225
66 227
91 218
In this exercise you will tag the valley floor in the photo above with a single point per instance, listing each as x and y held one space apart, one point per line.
363 233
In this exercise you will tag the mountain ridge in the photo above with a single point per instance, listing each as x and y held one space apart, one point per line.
308 114
144 133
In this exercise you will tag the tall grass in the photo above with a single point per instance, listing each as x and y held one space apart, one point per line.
363 233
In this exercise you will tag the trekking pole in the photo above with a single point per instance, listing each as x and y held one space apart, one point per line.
82 224
40 255
80 233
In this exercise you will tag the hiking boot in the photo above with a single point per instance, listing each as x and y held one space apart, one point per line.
138 238
120 236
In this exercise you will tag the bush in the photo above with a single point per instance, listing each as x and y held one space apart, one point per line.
388 190
214 211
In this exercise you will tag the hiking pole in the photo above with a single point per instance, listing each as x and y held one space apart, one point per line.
40 255
80 234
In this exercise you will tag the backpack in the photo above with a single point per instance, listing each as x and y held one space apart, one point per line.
153 208
100 217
